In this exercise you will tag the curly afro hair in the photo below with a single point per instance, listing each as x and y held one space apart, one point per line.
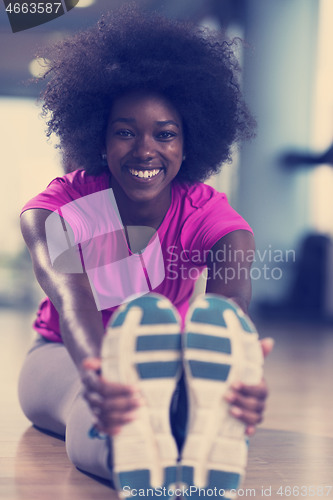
129 50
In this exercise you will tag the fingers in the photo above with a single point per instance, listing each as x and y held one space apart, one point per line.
259 391
250 430
248 403
96 383
113 404
112 411
249 411
250 418
267 345
92 364
115 411
111 422
117 403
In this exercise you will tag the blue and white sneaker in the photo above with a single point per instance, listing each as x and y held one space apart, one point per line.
220 346
143 348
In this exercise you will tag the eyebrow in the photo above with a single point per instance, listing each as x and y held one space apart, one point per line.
132 120
168 122
123 120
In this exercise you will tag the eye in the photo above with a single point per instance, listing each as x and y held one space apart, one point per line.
125 133
166 134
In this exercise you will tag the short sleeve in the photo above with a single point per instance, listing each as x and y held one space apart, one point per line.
86 205
63 190
208 224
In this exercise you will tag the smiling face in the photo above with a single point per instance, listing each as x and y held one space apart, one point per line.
144 147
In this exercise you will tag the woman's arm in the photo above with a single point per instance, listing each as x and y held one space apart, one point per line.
80 321
81 327
229 268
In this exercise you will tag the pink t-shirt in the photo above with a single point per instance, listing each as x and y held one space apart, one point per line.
176 255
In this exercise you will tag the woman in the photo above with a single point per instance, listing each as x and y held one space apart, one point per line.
147 109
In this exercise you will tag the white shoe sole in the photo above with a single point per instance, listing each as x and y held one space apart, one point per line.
220 346
143 347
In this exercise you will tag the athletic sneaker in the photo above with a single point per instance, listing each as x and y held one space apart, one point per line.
220 346
143 347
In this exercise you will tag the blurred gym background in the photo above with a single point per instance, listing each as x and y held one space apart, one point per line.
281 182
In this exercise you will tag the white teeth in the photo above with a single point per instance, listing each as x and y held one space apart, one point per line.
146 174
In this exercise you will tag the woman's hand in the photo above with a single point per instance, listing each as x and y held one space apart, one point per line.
248 402
113 404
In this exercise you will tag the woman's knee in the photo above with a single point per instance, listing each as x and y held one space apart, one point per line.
28 398
36 406
44 392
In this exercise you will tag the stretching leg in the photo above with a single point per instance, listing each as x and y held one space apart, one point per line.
50 394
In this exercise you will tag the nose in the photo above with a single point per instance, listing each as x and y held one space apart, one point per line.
144 148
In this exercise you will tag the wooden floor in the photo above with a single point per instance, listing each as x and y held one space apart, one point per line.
293 448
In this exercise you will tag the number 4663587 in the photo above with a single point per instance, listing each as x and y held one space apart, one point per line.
33 8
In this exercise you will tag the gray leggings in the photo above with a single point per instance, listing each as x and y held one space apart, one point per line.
50 394
50 397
